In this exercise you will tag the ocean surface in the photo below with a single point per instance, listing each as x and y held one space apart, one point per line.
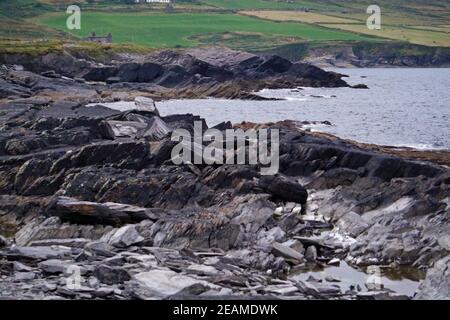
402 107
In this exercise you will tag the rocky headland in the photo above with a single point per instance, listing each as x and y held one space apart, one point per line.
92 207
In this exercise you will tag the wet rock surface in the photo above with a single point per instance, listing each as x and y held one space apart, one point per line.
96 209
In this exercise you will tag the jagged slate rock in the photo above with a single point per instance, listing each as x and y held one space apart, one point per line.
20 267
133 152
173 76
319 243
146 104
24 276
311 254
352 224
98 248
275 64
122 129
184 121
103 292
281 250
309 71
37 253
70 209
149 71
128 72
115 261
125 237
283 290
73 114
192 291
156 130
436 285
223 126
66 292
284 188
317 289
164 283
307 288
100 73
111 275
162 152
13 90
54 266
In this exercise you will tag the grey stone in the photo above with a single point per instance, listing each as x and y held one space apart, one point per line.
311 253
280 250
146 104
352 224
23 276
111 275
125 237
436 285
38 253
163 283
54 266
20 267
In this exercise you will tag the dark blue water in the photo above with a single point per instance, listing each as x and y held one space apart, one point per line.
403 107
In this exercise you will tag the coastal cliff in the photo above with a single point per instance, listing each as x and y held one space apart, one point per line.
93 189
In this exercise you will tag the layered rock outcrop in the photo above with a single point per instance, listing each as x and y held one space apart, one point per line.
92 193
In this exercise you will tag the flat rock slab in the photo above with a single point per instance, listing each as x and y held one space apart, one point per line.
74 210
38 253
125 237
281 250
163 283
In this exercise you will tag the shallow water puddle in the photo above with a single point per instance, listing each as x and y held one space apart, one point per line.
404 281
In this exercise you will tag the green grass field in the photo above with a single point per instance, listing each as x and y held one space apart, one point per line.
253 25
180 30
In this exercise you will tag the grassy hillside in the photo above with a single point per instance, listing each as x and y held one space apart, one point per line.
182 29
241 24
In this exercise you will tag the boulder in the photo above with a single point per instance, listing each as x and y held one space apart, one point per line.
274 64
156 130
436 285
352 224
24 276
129 72
73 210
54 266
286 252
149 71
311 254
125 237
146 104
100 73
164 283
284 188
122 129
111 275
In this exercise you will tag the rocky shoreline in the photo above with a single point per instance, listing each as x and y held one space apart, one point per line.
92 207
